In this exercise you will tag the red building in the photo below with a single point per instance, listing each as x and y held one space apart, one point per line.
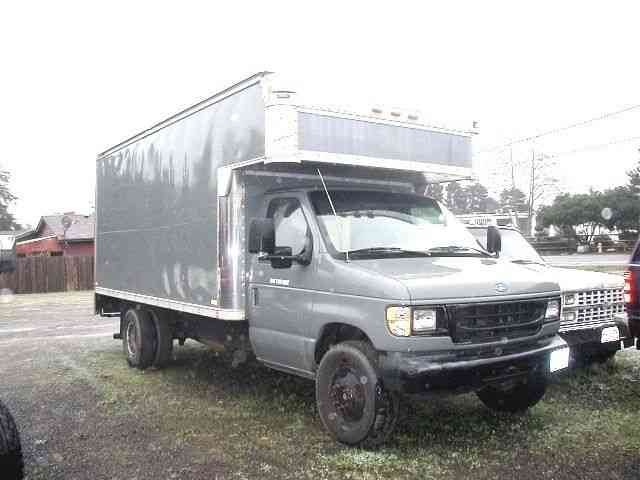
69 234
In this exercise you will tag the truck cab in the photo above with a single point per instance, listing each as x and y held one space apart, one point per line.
396 274
593 320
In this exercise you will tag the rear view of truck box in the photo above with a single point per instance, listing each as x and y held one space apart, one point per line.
157 203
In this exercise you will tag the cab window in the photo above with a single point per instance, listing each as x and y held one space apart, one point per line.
290 223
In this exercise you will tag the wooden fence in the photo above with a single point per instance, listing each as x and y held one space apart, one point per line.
49 274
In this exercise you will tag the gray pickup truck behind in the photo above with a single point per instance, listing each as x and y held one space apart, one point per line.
593 320
300 235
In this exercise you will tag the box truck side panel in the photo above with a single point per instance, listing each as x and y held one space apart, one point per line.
157 203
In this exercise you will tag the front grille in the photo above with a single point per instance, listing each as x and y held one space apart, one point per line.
492 322
594 308
599 314
599 297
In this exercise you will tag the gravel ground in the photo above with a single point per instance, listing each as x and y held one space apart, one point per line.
84 414
48 377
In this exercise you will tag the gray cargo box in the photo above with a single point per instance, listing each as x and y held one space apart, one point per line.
171 202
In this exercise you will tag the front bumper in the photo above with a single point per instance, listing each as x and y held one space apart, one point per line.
422 374
578 338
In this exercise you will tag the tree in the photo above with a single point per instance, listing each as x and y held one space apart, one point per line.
578 216
473 198
456 198
634 178
624 209
435 191
7 220
478 199
513 198
530 172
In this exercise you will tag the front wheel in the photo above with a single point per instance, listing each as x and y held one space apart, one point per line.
11 463
600 355
516 399
352 401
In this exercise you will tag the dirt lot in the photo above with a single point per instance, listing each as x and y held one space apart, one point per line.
84 414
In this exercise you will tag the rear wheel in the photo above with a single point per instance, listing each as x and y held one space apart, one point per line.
516 399
139 338
11 463
164 339
352 401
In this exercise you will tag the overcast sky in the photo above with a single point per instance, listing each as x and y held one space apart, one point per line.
77 77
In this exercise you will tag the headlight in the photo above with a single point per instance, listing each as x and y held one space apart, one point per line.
424 321
570 299
569 317
399 321
553 311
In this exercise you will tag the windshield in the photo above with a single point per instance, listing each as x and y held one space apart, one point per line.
515 247
381 222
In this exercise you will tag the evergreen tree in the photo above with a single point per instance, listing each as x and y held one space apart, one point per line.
513 198
7 220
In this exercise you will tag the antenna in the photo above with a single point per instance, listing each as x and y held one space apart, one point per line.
333 209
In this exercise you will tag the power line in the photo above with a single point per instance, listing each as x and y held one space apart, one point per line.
593 147
559 129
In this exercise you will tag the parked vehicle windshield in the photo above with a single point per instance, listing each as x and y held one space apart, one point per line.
372 223
515 247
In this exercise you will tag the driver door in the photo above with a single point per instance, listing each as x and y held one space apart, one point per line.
281 299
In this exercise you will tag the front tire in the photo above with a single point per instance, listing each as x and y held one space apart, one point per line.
600 355
352 401
517 399
11 462
139 338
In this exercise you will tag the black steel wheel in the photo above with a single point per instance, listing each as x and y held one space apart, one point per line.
352 402
11 462
139 338
516 399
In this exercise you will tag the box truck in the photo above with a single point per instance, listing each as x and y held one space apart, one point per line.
300 235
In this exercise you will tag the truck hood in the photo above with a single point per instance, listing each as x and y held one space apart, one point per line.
572 280
461 278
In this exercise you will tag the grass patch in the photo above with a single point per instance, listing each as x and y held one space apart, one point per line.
263 424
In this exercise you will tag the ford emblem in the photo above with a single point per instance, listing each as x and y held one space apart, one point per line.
501 287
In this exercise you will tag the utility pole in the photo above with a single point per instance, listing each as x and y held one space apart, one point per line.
531 190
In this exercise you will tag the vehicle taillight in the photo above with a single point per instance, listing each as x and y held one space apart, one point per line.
630 287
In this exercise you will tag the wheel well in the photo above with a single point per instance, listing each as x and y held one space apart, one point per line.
335 333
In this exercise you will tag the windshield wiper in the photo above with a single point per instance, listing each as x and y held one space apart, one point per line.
458 249
388 250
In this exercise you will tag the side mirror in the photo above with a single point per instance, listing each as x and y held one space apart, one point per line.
262 236
494 241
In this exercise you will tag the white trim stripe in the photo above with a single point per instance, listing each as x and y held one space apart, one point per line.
186 307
